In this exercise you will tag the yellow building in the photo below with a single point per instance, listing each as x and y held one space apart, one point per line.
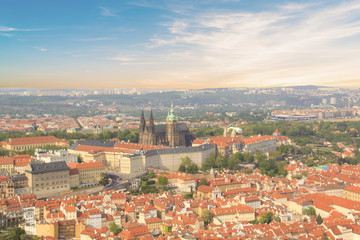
182 181
74 178
21 144
352 193
89 173
47 229
60 230
7 163
154 224
6 187
229 214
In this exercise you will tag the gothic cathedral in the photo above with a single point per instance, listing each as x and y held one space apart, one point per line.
172 134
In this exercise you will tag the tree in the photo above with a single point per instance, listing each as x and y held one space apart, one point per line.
162 180
13 234
207 216
79 159
105 180
115 228
266 218
235 160
319 219
324 236
188 166
203 182
309 211
182 168
192 168
151 175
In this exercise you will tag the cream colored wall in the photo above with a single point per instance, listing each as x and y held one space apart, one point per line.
46 184
74 181
7 167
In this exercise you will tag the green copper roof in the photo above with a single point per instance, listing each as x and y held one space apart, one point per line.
171 116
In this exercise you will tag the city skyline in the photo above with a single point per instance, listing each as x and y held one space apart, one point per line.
178 44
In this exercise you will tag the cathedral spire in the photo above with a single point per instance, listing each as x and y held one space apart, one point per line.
151 122
171 116
151 117
142 121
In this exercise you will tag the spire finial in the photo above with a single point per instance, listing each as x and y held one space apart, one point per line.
171 116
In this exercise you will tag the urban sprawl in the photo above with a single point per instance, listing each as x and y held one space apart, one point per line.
293 174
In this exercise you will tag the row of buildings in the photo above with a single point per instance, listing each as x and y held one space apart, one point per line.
314 114
46 178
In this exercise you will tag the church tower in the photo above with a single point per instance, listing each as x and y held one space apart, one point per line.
142 127
152 134
172 131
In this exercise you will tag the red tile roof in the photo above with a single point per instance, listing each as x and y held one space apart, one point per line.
6 160
353 189
33 140
89 165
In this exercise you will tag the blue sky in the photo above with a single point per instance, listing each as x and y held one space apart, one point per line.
178 44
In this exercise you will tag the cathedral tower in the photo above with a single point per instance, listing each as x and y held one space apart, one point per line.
172 131
142 127
151 129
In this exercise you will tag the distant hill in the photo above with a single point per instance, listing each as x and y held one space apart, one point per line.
307 87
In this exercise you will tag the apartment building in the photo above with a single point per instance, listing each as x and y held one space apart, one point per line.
89 173
46 179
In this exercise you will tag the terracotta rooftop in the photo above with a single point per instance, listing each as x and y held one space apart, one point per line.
88 165
33 140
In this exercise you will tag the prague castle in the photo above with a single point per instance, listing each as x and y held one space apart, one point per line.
172 134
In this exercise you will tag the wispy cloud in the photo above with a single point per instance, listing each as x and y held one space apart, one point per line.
98 39
106 12
120 59
40 49
6 34
11 29
292 43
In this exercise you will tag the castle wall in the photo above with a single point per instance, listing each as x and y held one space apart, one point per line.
172 161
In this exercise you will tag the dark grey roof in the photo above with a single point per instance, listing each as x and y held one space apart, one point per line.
96 143
179 150
161 128
42 167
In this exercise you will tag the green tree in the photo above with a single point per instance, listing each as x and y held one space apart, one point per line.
104 180
207 216
13 234
235 160
203 182
319 219
151 175
266 218
162 180
192 168
309 211
79 159
188 166
144 184
115 228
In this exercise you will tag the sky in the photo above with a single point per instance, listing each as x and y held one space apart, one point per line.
178 43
